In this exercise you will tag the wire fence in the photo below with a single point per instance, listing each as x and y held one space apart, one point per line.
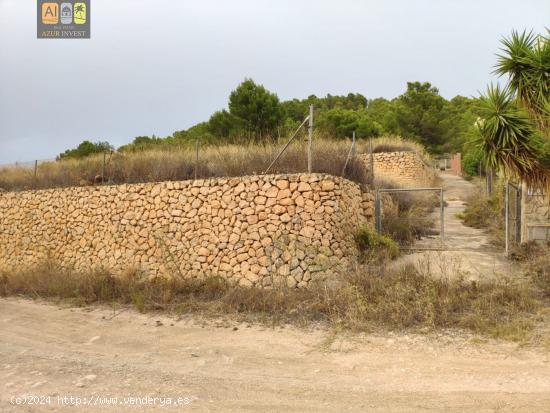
26 164
188 163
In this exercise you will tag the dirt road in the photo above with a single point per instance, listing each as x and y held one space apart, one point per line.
466 250
49 351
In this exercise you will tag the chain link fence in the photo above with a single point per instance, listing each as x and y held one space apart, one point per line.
186 163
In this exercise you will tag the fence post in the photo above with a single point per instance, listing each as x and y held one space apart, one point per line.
310 139
35 169
350 153
442 215
371 161
378 212
506 217
489 182
519 195
286 145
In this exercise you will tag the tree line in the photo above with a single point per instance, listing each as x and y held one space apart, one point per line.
255 114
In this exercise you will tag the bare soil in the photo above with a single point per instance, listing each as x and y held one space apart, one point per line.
219 365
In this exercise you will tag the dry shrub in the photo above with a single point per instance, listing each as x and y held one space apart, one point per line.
537 257
392 143
487 213
409 217
179 163
370 298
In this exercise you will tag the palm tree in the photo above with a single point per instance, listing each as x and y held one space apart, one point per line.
515 119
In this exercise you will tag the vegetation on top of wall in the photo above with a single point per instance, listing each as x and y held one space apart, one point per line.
394 143
146 161
181 164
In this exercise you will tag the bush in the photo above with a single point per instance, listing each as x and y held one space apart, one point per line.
470 162
371 245
406 215
485 212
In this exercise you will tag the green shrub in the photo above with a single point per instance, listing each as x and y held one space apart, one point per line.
470 162
373 245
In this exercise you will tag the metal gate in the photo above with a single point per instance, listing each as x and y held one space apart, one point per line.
512 205
441 213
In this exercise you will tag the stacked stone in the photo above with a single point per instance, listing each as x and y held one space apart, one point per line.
367 205
403 168
254 230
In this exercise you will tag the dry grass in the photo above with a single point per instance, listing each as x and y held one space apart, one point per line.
486 213
180 164
362 301
408 219
537 258
392 143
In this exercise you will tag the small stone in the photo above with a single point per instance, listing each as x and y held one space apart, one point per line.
304 187
285 218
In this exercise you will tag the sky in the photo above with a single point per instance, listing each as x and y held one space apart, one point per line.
157 66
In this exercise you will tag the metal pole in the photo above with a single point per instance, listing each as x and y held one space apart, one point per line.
506 213
286 145
371 160
491 182
518 213
442 215
349 154
378 212
310 139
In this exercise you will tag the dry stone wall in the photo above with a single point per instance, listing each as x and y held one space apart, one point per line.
406 169
251 230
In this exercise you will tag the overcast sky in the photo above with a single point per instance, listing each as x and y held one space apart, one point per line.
157 66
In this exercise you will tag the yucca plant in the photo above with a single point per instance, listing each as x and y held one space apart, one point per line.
515 119
526 62
510 141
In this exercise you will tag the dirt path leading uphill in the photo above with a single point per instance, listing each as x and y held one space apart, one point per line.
466 250
56 352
